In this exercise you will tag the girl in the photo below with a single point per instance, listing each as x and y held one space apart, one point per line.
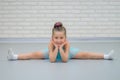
59 49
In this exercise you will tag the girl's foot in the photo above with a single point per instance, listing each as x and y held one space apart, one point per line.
109 55
11 55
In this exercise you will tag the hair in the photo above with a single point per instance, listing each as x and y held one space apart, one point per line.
58 26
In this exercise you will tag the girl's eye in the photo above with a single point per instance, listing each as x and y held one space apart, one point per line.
61 38
56 37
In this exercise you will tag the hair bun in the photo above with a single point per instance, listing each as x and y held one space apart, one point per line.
58 24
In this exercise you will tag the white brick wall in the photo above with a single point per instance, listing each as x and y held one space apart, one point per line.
82 18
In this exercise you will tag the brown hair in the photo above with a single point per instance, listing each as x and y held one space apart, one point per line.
58 26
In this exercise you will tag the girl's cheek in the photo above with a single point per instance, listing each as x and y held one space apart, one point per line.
65 40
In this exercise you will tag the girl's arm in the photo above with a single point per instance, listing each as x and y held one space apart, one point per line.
52 51
64 53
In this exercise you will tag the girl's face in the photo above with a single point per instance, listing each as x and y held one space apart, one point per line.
59 37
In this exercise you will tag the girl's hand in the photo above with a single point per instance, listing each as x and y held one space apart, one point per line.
51 46
63 44
54 44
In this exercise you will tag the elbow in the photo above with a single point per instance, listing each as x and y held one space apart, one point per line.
52 59
65 60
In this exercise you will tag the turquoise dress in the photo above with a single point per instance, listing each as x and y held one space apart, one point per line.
58 58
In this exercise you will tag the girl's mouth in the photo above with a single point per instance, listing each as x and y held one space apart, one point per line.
58 44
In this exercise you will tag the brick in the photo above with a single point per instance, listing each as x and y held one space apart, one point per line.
82 18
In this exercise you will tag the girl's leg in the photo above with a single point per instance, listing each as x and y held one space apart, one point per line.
89 55
92 55
24 56
33 55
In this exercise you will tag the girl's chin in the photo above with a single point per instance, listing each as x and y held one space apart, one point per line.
58 45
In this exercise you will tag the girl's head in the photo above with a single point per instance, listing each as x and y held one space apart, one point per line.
58 33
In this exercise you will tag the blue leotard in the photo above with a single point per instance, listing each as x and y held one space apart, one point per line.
72 53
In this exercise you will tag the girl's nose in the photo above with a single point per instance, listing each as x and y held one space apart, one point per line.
59 41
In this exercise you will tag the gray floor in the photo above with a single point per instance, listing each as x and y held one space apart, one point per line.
72 70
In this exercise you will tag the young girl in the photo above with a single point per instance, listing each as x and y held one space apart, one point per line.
59 49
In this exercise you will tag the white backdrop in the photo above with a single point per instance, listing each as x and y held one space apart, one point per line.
82 18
